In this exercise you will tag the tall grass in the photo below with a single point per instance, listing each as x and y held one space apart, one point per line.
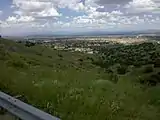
75 90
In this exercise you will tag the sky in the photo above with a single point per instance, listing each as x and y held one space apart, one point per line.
19 17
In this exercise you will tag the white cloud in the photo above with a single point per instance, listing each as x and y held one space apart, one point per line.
50 12
78 7
26 19
31 5
143 5
35 15
102 2
35 8
1 12
12 19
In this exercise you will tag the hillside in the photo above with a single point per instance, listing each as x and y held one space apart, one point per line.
77 86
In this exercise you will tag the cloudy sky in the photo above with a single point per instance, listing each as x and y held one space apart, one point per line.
47 16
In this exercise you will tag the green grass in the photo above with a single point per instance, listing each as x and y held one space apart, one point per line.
72 89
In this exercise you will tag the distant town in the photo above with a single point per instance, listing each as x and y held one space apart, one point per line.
86 44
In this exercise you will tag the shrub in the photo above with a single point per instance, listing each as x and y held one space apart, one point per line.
81 60
157 63
17 63
3 53
29 44
113 77
152 80
122 70
49 56
59 55
90 58
130 68
19 41
148 69
39 54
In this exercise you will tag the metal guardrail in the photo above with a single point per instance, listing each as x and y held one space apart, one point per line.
23 110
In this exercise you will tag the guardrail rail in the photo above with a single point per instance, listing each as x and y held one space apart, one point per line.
23 110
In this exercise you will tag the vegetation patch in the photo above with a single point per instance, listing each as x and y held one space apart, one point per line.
120 83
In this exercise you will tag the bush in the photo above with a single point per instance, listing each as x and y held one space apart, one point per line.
59 55
157 63
81 60
90 58
152 80
148 69
122 70
17 63
136 55
113 77
3 53
49 56
19 41
29 44
39 54
130 68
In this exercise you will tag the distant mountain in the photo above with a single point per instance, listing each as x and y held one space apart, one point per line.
96 33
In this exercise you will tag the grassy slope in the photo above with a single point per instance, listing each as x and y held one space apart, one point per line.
73 89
